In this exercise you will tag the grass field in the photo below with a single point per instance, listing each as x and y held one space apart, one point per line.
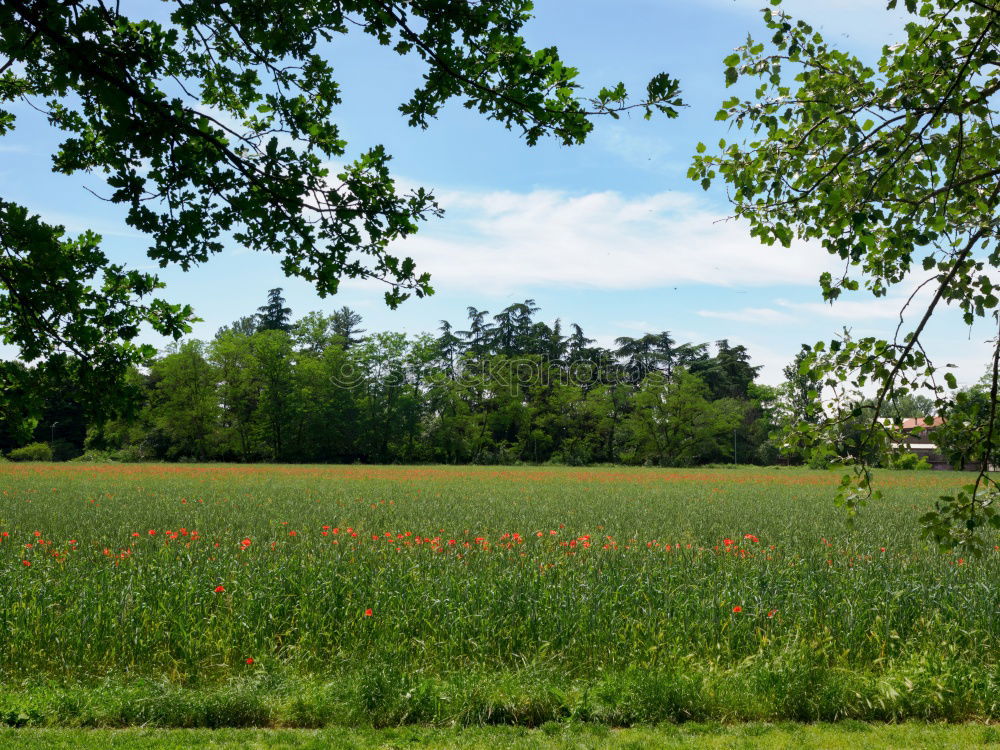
841 736
186 596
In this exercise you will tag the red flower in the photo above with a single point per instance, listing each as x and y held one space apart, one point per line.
368 612
772 613
250 660
152 532
220 589
26 563
737 609
293 533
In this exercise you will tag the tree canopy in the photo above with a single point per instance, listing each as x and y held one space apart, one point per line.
892 167
321 389
215 122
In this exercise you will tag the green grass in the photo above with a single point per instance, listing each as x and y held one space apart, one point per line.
497 596
846 736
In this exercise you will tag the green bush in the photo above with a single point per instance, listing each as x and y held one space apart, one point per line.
910 462
32 452
130 454
91 456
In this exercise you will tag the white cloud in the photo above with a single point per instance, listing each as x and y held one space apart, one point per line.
492 241
749 315
883 308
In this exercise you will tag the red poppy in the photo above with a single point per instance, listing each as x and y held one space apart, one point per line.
250 660
152 532
368 612
737 609
220 589
772 613
727 542
26 563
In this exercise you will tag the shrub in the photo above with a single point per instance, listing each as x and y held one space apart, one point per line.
910 462
32 452
130 454
91 456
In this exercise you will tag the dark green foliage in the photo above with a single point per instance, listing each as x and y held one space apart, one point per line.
274 316
32 452
515 390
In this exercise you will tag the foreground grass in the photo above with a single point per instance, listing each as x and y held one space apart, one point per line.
208 596
847 735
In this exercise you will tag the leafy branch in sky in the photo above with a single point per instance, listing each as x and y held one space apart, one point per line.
893 168
216 123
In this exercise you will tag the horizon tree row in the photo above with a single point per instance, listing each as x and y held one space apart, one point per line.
507 388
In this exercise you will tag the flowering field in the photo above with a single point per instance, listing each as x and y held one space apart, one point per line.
303 596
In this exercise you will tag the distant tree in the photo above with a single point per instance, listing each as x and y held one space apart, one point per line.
449 348
245 326
478 339
578 343
274 371
801 391
909 405
675 422
185 401
313 332
19 403
729 373
274 316
238 390
638 355
651 352
346 323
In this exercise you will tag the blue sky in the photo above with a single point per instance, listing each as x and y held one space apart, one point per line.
610 235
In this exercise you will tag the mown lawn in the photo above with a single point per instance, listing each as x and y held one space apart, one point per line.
209 596
846 736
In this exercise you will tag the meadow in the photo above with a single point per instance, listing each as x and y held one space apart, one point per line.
306 596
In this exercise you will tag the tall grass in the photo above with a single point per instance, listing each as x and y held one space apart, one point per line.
505 596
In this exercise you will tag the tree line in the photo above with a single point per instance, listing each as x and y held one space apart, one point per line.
503 388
